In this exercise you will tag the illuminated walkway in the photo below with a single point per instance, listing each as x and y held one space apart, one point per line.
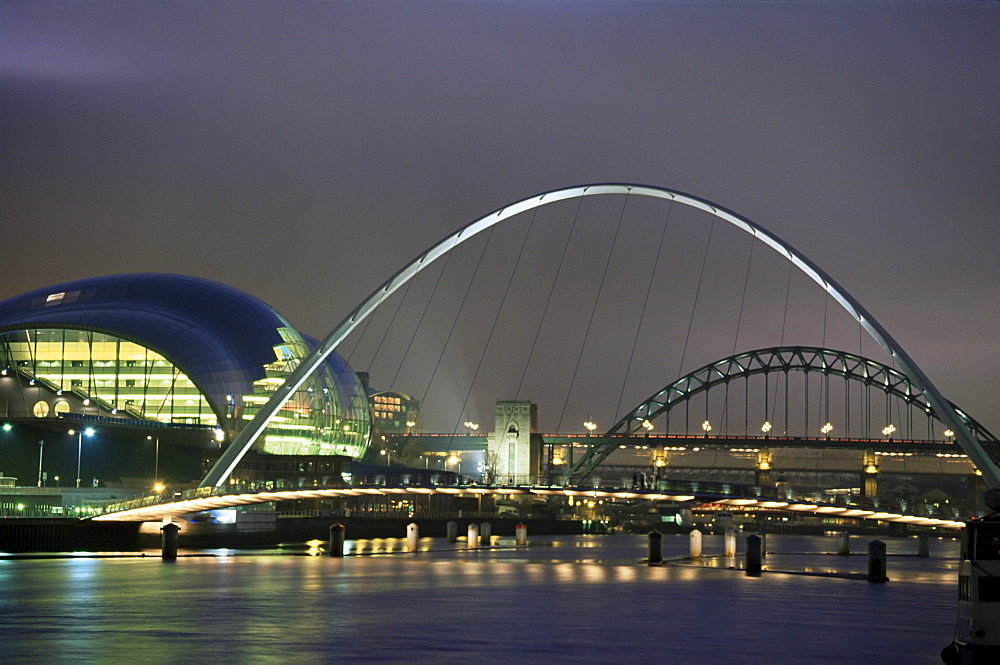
152 508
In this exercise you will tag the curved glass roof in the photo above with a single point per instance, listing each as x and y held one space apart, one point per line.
222 337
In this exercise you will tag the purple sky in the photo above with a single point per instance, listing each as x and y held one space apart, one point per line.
303 151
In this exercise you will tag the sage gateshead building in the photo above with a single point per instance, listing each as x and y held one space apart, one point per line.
171 351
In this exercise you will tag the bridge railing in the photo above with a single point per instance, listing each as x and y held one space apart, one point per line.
705 491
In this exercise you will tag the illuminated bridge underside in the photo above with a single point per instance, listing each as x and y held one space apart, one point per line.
773 360
159 511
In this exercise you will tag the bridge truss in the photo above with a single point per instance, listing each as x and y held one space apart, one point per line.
785 359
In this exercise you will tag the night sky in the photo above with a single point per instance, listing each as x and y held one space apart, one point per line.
304 151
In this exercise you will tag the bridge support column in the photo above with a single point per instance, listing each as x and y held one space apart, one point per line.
337 533
753 555
168 550
412 536
655 548
514 454
473 537
876 562
869 475
762 476
694 550
729 543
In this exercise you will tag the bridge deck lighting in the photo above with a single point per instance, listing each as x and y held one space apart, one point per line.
591 426
826 429
648 425
766 427
707 426
471 425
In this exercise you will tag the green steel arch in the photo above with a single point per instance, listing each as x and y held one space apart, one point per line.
249 434
849 366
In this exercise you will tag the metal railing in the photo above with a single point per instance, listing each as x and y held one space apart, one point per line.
706 492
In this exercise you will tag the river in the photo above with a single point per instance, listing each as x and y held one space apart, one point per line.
582 599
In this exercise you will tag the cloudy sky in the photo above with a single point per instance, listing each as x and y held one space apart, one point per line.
304 151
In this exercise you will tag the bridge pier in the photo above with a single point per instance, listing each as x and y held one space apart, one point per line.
762 474
515 449
869 475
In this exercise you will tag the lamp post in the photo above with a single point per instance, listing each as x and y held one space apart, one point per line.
388 455
41 448
79 448
156 463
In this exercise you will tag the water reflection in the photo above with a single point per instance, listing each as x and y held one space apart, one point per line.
559 600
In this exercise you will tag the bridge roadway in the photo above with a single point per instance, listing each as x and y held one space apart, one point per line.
435 442
156 508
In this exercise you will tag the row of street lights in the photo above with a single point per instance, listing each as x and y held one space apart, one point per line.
89 431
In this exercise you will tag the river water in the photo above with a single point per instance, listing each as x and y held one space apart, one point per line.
582 599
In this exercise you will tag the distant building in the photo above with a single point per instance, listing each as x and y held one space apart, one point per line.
393 413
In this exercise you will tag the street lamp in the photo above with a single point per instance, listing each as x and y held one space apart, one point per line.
591 426
156 464
766 428
387 454
648 425
79 448
707 427
471 425
888 430
41 448
826 429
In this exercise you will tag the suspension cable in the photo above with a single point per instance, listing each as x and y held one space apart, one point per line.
694 305
427 306
593 312
454 323
503 301
548 299
642 315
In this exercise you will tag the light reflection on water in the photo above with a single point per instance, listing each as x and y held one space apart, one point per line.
544 603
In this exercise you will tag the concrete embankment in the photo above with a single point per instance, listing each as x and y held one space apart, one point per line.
67 535
70 535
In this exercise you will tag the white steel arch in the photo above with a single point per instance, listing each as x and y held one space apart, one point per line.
248 435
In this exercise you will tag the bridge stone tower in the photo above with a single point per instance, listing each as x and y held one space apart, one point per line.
513 453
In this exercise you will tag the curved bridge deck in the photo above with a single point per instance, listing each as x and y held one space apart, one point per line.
155 508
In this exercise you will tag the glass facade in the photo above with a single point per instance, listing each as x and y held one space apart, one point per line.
327 416
111 373
95 373
177 350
